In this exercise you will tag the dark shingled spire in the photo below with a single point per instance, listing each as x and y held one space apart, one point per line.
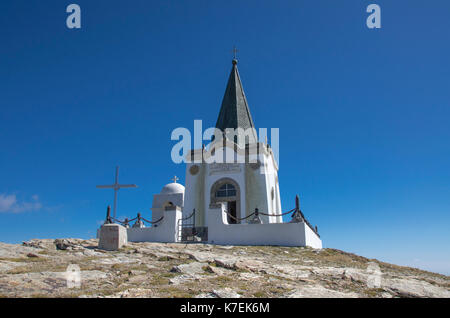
234 112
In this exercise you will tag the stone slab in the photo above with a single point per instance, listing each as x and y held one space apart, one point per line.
112 237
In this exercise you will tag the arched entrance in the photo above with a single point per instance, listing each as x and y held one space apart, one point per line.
227 191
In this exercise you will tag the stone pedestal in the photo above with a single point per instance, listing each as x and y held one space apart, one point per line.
112 237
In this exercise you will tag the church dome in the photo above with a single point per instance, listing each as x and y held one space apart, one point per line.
172 188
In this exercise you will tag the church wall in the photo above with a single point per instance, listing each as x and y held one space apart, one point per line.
279 234
272 184
311 238
157 212
194 193
200 197
255 184
261 181
161 200
256 192
189 201
166 231
278 200
282 234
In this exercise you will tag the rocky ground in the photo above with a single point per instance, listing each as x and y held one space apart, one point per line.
38 268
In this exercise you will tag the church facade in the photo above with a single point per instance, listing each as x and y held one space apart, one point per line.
231 193
241 175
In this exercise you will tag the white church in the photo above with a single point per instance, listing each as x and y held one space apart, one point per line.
226 202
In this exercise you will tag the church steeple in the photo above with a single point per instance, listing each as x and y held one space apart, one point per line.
234 112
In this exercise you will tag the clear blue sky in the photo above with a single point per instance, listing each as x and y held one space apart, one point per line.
363 114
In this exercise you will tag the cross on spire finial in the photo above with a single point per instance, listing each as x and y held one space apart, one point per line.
235 50
175 179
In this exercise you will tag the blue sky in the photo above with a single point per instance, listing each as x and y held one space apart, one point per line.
363 114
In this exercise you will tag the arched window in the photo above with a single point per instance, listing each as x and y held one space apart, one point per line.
226 190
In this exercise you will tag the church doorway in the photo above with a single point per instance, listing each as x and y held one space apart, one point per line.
227 191
231 208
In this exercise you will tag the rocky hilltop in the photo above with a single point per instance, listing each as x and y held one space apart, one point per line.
38 268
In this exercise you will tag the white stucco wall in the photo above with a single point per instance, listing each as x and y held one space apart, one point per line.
270 174
166 231
160 201
312 239
282 234
194 195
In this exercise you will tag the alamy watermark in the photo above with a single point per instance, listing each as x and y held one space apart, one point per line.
374 275
73 20
374 19
234 145
73 276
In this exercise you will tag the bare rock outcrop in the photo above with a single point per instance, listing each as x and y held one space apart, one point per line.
77 268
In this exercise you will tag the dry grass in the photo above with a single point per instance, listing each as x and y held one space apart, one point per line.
24 259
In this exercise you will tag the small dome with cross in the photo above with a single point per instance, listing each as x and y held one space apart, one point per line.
173 187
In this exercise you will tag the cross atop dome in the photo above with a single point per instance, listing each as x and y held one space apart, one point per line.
175 179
